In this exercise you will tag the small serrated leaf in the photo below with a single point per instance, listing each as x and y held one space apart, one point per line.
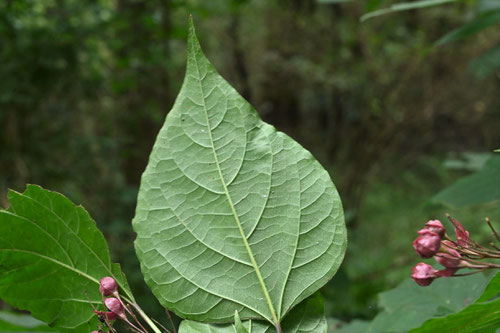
51 259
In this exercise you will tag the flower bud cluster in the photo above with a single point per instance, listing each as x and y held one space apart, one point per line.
117 309
452 255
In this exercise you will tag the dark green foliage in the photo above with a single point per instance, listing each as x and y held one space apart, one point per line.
478 188
408 306
481 316
85 86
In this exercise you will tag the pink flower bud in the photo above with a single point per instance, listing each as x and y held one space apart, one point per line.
463 238
107 286
427 244
106 315
451 259
435 226
115 306
423 274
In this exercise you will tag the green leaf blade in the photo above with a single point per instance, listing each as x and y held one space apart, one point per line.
478 317
409 305
52 257
478 188
473 27
486 63
230 210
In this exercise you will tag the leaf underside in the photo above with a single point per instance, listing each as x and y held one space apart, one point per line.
232 214
307 317
51 259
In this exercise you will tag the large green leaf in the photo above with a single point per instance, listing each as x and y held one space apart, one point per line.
232 214
482 316
479 317
480 187
307 317
408 306
51 259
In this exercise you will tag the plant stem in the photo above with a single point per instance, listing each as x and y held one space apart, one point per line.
465 274
146 318
492 229
494 246
171 321
135 318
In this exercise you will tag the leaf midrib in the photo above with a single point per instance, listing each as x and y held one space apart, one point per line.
79 272
228 196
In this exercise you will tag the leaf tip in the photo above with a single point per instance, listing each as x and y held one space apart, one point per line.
192 39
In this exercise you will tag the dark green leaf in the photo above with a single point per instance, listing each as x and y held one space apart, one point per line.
480 317
232 214
51 259
480 23
486 63
480 187
409 305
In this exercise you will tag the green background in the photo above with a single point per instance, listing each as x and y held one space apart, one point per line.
86 84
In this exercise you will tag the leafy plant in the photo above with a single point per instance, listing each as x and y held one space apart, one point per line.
232 215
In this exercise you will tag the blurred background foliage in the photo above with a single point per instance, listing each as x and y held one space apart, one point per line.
395 111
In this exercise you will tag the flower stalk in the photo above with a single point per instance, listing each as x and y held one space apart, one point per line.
118 309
